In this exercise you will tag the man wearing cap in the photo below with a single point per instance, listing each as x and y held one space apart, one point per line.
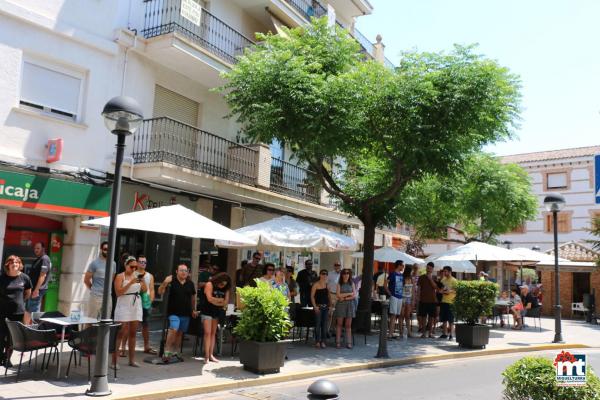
305 279
448 296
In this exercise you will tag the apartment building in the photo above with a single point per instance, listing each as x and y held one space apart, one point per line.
61 60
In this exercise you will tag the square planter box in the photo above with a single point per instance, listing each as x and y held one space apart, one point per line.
473 336
262 357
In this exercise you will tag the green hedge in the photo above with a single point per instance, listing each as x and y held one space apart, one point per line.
534 378
474 299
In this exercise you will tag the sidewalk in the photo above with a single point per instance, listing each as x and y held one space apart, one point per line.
194 377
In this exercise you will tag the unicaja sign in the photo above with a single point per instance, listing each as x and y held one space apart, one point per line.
570 369
22 193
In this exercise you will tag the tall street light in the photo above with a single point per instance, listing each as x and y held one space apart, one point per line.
555 202
122 116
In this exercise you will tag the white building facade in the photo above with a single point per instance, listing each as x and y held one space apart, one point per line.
61 60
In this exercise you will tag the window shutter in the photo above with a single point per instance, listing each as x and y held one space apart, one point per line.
51 89
170 104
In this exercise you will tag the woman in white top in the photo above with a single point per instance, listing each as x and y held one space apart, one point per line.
128 311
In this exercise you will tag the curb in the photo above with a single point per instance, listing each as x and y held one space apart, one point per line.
286 377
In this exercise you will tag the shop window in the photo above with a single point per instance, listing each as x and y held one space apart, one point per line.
51 89
557 180
564 223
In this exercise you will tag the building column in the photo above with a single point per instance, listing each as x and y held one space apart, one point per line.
233 256
80 247
3 214
205 208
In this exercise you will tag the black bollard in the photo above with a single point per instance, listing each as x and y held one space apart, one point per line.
382 351
323 389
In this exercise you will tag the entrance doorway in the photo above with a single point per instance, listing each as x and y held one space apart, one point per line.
581 285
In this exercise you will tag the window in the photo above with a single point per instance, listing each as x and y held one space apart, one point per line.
557 180
564 222
50 89
277 149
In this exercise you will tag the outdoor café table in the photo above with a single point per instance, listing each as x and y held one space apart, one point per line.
502 305
64 322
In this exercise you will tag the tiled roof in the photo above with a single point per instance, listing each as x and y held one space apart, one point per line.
552 155
576 251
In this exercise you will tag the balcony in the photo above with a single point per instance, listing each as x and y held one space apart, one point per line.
308 8
165 140
196 44
294 181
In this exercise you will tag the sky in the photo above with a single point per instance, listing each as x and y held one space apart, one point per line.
553 45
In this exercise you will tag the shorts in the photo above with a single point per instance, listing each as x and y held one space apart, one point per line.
395 306
446 314
34 305
94 306
146 315
178 323
426 309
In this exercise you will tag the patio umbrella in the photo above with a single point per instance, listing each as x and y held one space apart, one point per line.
390 254
457 265
478 251
291 233
536 256
176 220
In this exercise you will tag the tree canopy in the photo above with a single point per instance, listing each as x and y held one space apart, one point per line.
479 201
313 90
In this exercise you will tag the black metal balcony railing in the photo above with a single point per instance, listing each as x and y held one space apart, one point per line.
164 16
308 8
294 181
166 140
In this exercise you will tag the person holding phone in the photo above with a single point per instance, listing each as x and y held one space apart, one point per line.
128 311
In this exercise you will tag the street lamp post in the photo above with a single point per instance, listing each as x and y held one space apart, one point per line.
122 116
555 202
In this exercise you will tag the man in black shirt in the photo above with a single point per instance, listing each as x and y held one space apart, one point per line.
180 308
305 279
252 270
39 272
529 301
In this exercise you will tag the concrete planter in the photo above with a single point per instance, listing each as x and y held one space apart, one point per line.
262 357
472 336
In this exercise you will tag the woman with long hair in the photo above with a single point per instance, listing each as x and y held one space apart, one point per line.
345 309
15 288
407 299
216 292
128 310
319 298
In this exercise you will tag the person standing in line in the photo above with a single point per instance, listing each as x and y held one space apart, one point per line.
180 307
239 272
280 284
407 300
147 299
320 300
15 289
379 279
128 310
39 273
332 282
427 301
345 309
291 283
305 279
253 270
268 273
217 298
93 279
394 286
448 296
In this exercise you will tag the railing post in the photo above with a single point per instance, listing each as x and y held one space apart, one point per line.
262 164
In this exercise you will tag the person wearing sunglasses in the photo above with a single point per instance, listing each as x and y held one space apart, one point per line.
147 299
268 273
320 300
252 270
93 279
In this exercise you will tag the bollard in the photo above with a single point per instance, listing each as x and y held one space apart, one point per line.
382 351
323 389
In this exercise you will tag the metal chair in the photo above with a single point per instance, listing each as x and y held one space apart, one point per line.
535 313
85 342
25 339
195 329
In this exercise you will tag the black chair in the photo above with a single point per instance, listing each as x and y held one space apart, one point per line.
535 313
85 343
195 329
25 339
58 328
305 318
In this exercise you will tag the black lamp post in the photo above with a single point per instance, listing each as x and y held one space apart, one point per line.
555 202
122 116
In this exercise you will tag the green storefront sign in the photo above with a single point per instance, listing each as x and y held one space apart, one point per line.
50 194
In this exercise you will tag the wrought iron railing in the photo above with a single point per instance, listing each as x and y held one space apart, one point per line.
166 140
292 180
165 16
308 8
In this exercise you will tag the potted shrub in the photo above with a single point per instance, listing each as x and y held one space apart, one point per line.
474 299
263 325
535 378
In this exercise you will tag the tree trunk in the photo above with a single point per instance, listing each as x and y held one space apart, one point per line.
363 314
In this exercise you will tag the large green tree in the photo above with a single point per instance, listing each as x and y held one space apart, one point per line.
313 90
479 201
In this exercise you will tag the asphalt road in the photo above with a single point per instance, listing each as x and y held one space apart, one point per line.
475 378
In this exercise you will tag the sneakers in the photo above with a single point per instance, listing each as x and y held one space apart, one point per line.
450 337
444 336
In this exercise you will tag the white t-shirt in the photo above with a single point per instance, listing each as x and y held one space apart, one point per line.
332 280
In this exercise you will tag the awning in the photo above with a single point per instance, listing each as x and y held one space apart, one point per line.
390 254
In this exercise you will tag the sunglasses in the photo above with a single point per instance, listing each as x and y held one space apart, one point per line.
183 270
346 273
324 274
133 266
270 270
142 262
